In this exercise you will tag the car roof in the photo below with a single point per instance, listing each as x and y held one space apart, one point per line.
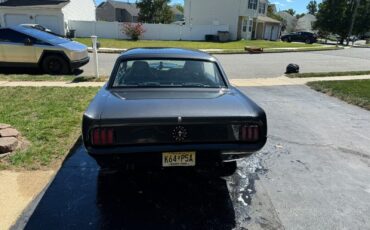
171 53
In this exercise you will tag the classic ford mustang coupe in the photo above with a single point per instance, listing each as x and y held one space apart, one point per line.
167 107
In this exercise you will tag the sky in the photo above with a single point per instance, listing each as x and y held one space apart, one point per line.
298 5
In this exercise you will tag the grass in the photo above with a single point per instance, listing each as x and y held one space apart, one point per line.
69 78
355 92
328 74
237 45
48 117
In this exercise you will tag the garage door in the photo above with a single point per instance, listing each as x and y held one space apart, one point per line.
16 19
50 22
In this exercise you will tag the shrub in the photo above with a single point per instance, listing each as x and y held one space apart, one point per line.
133 30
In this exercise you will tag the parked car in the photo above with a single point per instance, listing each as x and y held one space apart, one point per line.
28 47
166 107
306 37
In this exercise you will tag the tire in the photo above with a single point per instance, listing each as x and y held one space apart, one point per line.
55 65
289 39
308 41
227 169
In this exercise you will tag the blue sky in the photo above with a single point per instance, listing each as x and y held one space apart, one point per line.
298 5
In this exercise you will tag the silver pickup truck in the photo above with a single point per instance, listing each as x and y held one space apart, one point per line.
28 47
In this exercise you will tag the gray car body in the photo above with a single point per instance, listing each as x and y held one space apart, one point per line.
114 107
12 53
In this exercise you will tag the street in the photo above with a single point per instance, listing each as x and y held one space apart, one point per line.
313 174
242 66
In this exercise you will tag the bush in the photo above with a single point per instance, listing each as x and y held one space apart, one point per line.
133 30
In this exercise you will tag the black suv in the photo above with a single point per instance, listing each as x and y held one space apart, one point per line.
305 37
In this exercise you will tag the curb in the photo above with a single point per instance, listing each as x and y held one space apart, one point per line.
239 51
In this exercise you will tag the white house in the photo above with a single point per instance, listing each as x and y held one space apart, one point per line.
246 18
53 14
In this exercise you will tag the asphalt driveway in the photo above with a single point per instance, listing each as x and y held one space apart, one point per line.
313 174
242 66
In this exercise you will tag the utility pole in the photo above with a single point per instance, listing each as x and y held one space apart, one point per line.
357 3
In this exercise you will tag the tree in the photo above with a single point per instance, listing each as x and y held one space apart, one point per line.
290 11
179 7
312 7
298 16
155 11
335 16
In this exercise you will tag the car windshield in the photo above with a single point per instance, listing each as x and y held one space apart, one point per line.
44 36
168 73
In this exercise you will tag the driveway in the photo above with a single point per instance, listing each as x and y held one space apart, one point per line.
271 65
313 174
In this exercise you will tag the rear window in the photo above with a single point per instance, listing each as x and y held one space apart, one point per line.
168 73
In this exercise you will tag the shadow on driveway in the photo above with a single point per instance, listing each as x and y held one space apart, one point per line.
83 197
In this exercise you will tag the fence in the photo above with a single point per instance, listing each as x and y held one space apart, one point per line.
153 31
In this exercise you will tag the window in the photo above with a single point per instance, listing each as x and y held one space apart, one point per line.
262 8
8 35
250 25
245 25
252 4
155 73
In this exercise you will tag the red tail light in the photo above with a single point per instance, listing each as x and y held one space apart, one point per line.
249 133
102 136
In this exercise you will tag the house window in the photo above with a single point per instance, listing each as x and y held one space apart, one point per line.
252 4
262 8
250 25
245 25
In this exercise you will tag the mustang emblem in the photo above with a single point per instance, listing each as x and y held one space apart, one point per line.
179 134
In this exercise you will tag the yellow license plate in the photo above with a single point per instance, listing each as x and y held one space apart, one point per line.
178 159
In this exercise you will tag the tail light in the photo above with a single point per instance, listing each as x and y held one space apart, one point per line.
102 136
249 133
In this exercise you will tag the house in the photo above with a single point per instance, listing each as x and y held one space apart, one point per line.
112 11
305 23
117 11
290 21
52 14
247 19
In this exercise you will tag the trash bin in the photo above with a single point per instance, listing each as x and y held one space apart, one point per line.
71 33
223 36
211 38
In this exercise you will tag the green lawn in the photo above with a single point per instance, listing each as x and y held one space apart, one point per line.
126 44
356 92
328 74
70 78
48 117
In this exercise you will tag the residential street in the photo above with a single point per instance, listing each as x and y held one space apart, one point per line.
271 65
313 174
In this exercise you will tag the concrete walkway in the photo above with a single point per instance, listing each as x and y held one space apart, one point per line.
237 82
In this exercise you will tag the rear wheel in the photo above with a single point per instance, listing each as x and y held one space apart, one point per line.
54 65
308 41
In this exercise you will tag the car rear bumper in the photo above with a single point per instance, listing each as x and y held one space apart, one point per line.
226 152
79 63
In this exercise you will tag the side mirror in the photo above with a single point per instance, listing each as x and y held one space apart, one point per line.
28 42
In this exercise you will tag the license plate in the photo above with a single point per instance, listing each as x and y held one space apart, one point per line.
178 159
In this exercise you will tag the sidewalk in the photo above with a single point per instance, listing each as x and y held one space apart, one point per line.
277 81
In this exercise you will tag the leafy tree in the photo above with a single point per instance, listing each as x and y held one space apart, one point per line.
155 11
312 7
335 16
298 16
179 7
290 11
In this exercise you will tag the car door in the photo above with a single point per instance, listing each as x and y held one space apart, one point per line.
14 48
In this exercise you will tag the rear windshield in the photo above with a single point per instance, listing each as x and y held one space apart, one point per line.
44 36
168 73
